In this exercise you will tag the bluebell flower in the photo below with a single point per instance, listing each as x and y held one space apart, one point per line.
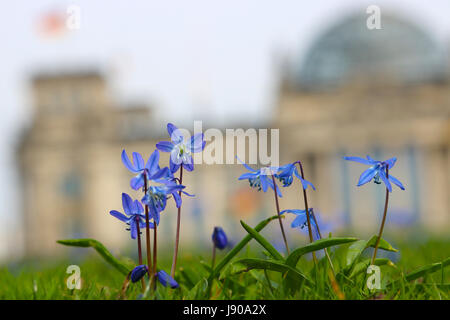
219 238
166 279
302 221
260 179
181 150
156 197
138 272
152 168
286 175
134 213
377 172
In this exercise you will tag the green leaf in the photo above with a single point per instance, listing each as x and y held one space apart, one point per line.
199 290
262 241
233 252
100 248
271 265
295 255
357 248
427 269
362 266
382 245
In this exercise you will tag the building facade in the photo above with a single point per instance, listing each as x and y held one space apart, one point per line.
357 91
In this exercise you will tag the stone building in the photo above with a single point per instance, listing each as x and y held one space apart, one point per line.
357 91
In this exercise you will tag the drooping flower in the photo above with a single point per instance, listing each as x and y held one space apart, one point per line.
134 213
377 172
181 150
165 279
138 272
302 221
156 197
219 238
260 179
286 175
152 168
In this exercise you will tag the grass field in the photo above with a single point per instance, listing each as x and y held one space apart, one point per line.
254 272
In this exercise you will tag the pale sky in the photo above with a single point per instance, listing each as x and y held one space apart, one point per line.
178 55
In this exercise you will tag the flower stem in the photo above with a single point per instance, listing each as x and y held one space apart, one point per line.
177 237
305 198
213 257
278 211
383 221
324 249
147 228
139 248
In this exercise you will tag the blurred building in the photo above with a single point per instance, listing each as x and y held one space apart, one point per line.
358 91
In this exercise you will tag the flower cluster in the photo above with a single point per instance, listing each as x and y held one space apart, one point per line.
159 185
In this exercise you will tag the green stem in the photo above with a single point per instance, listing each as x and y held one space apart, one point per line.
177 237
383 221
279 215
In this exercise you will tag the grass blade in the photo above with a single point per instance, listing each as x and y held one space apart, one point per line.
272 265
262 241
295 255
427 269
101 249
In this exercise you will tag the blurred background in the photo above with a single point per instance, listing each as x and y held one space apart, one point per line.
82 80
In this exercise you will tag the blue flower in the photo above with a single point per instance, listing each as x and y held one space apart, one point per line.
134 213
377 172
260 179
152 168
219 238
156 197
302 221
286 176
165 279
181 150
138 272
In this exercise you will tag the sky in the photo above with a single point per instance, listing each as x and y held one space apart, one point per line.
197 59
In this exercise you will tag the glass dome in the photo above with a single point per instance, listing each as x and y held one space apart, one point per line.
348 49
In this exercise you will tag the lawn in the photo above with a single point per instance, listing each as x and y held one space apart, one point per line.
252 269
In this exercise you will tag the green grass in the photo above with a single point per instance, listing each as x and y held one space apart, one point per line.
255 272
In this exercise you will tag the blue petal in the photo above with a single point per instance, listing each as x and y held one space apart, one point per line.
305 184
391 162
396 181
299 221
173 166
270 183
177 199
385 180
164 146
188 164
367 175
164 172
133 229
138 207
197 144
137 182
360 160
126 161
152 163
138 161
165 280
174 133
138 272
294 211
127 204
265 183
119 215
246 166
